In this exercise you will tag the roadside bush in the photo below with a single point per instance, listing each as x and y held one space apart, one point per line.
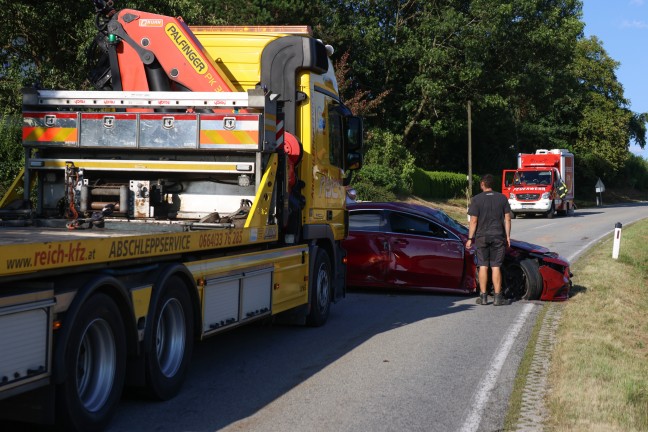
442 185
634 173
368 191
388 168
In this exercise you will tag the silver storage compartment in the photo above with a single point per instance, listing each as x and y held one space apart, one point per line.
168 131
108 130
256 293
221 303
25 341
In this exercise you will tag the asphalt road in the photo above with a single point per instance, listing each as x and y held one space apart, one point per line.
385 361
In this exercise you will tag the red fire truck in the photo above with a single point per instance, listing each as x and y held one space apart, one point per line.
543 183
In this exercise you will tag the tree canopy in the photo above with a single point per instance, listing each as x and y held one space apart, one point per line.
408 66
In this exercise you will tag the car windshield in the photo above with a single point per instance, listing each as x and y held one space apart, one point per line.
444 218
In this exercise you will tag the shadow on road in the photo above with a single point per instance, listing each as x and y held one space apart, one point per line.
235 374
583 213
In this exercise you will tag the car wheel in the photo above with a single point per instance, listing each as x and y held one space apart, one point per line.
320 295
523 280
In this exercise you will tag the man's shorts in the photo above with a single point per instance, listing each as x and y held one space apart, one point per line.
490 251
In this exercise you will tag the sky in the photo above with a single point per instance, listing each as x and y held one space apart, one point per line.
622 26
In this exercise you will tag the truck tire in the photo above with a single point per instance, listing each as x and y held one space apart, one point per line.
565 210
171 344
95 365
522 280
552 211
320 295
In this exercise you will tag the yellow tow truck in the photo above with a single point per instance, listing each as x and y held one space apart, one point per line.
199 188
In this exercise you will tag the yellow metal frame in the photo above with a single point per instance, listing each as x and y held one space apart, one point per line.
12 193
141 165
259 212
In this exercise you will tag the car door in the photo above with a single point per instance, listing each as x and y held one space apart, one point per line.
423 254
367 248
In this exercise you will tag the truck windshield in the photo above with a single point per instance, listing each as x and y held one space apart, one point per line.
533 177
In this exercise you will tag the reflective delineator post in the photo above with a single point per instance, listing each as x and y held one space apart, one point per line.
617 240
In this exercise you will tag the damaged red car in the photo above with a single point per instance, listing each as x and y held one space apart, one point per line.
414 247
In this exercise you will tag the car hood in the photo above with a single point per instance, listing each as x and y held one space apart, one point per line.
529 247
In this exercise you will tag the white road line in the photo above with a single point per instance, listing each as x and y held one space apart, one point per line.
487 384
576 254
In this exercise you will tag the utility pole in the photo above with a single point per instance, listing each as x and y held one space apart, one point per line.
470 178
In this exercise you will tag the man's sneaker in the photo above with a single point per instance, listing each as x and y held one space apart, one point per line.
482 299
499 300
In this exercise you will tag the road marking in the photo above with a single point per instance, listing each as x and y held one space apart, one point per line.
487 384
573 256
576 254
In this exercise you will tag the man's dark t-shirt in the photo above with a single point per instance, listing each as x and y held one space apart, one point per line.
489 207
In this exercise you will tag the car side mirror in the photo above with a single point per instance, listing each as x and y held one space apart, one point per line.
353 133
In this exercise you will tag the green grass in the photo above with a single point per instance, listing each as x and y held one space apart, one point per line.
598 380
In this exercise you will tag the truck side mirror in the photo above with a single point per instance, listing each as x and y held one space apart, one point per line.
353 133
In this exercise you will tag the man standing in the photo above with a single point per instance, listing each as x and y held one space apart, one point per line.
490 228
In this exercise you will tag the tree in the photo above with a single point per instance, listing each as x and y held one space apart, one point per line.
363 103
606 124
259 12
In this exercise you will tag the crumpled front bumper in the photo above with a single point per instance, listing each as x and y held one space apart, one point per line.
556 279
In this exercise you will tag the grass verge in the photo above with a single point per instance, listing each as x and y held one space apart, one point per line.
598 380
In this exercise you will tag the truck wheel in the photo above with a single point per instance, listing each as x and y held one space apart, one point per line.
565 211
569 210
320 295
171 345
513 216
523 280
95 364
551 212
